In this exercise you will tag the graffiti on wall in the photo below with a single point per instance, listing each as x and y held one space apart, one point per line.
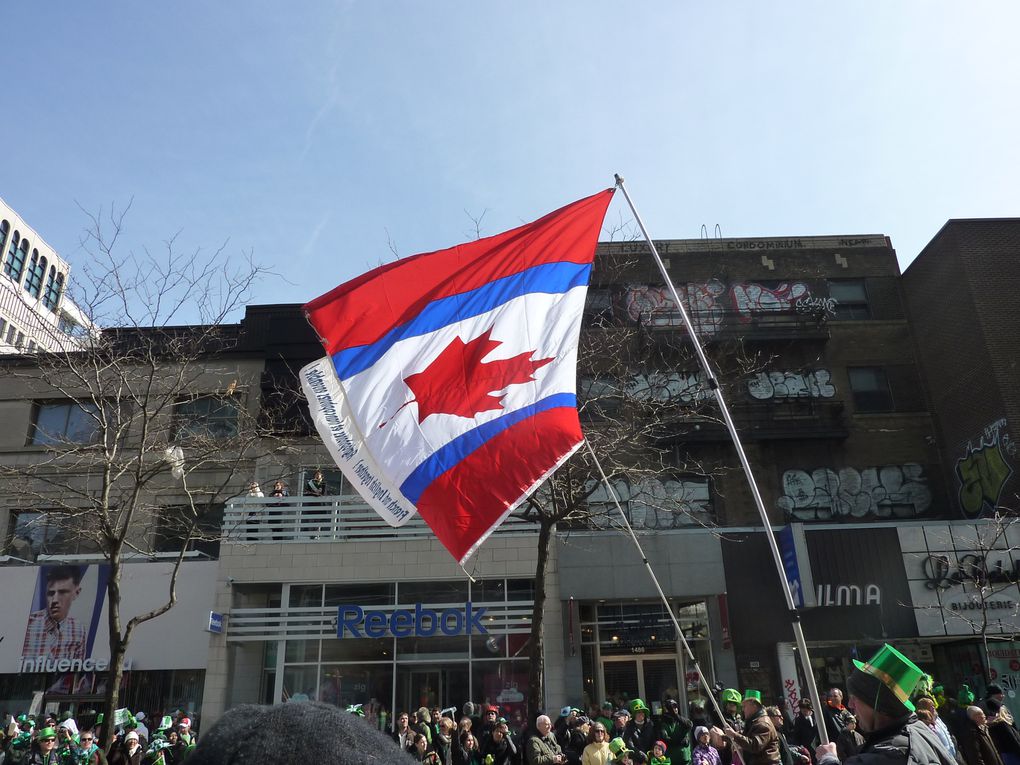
750 299
653 503
890 491
816 383
654 306
708 302
984 469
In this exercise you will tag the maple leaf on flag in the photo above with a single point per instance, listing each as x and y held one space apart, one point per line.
458 382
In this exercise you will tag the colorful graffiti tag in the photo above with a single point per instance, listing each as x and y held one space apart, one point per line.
750 299
815 383
891 491
984 470
707 303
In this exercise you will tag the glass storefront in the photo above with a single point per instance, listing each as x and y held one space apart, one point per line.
631 650
404 673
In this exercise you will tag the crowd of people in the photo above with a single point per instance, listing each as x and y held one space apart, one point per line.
894 714
47 740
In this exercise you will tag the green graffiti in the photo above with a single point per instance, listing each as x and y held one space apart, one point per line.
983 474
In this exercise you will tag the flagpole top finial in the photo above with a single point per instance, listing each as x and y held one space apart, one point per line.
619 179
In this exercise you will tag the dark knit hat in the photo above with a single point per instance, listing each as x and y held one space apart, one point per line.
993 690
305 731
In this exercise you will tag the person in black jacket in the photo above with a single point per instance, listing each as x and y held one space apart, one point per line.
500 746
640 733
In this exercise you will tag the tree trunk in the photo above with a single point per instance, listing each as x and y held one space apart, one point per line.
536 672
118 649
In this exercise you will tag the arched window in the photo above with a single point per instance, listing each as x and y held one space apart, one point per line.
5 228
15 262
53 286
36 271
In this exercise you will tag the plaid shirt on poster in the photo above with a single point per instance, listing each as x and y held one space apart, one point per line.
47 637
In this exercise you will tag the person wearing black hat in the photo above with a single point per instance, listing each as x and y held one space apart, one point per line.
805 729
880 697
675 730
303 732
1000 725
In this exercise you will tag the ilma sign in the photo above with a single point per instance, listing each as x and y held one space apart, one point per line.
403 622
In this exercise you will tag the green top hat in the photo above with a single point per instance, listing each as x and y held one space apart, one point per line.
965 696
617 746
895 671
751 695
731 696
46 732
637 705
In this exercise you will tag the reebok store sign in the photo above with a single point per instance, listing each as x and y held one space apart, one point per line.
354 621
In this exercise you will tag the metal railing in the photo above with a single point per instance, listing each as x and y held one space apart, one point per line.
248 520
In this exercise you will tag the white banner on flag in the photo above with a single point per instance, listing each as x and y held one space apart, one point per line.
331 415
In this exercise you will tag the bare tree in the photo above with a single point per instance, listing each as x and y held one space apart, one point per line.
157 420
982 564
642 402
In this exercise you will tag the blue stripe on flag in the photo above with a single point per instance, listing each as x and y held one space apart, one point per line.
550 278
448 455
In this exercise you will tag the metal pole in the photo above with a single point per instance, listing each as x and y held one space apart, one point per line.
648 566
713 383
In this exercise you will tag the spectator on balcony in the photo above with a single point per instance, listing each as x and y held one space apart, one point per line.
318 513
279 490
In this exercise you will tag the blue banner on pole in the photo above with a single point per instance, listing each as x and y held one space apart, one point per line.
788 551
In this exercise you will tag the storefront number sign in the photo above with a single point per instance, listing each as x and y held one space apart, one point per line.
403 622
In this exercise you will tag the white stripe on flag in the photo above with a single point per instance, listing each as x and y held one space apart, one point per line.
331 415
392 431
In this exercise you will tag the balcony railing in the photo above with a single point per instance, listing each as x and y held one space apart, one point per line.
248 520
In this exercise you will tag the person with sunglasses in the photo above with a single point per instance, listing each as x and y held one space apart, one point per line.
45 750
597 752
89 752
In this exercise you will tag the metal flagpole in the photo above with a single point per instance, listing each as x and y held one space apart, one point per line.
676 624
713 383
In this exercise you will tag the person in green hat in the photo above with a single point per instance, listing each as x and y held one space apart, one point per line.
729 702
880 698
640 731
618 751
758 741
46 753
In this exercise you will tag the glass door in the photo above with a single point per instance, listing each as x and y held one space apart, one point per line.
651 678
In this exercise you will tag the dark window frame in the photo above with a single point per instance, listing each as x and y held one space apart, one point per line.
874 400
14 263
198 424
39 437
850 310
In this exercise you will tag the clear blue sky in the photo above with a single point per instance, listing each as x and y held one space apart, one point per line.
306 131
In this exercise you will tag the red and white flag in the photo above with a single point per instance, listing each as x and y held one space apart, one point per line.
449 385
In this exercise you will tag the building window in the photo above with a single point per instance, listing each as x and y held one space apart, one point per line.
67 325
36 272
11 332
19 341
65 422
871 391
5 229
175 524
54 286
851 298
15 262
206 417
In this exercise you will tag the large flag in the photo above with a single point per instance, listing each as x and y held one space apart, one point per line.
449 385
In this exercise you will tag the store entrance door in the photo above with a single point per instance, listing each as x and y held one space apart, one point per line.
651 678
430 686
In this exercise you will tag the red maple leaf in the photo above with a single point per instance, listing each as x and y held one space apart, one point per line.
458 381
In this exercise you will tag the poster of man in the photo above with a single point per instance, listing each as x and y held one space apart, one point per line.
65 612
